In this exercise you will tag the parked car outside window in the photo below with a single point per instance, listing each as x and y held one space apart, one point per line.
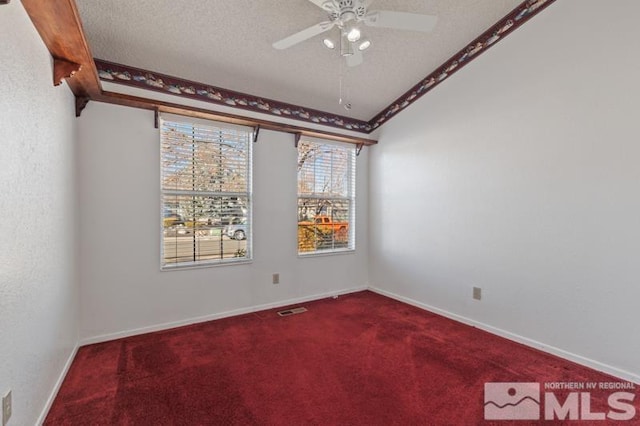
238 230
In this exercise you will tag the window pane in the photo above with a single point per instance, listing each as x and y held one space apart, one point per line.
204 228
193 164
323 169
323 224
206 193
326 197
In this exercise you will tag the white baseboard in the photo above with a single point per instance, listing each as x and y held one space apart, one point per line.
235 312
56 388
578 359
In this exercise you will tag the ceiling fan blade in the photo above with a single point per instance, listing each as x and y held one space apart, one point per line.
303 35
401 20
355 59
321 4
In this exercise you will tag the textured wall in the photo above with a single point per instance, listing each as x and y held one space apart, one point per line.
123 289
38 293
520 175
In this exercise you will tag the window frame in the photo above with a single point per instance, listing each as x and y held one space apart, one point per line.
350 198
206 263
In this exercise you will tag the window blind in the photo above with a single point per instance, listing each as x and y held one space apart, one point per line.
206 192
326 197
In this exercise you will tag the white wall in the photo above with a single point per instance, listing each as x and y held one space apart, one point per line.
520 175
123 290
38 291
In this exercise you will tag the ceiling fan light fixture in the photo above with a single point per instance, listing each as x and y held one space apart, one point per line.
328 43
364 45
346 48
353 34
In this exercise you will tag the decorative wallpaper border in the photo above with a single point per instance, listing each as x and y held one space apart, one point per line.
144 79
521 14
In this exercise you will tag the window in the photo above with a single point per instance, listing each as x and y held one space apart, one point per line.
206 192
326 197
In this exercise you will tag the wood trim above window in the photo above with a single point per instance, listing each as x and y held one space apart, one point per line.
168 107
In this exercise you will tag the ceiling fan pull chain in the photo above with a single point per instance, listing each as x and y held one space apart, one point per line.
340 81
341 101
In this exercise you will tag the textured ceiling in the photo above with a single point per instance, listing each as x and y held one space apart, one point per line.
227 43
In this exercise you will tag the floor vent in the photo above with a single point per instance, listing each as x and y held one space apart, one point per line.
292 311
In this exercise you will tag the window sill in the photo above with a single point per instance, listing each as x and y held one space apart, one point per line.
328 253
182 267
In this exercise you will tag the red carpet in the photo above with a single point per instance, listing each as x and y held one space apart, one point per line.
362 359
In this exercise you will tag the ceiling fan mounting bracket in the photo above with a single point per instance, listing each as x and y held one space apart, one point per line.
343 11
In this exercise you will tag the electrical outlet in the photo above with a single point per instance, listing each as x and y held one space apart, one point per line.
276 278
477 293
6 408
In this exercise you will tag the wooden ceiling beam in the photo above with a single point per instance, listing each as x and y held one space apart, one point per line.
58 23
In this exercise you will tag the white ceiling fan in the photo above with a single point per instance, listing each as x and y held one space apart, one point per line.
347 15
